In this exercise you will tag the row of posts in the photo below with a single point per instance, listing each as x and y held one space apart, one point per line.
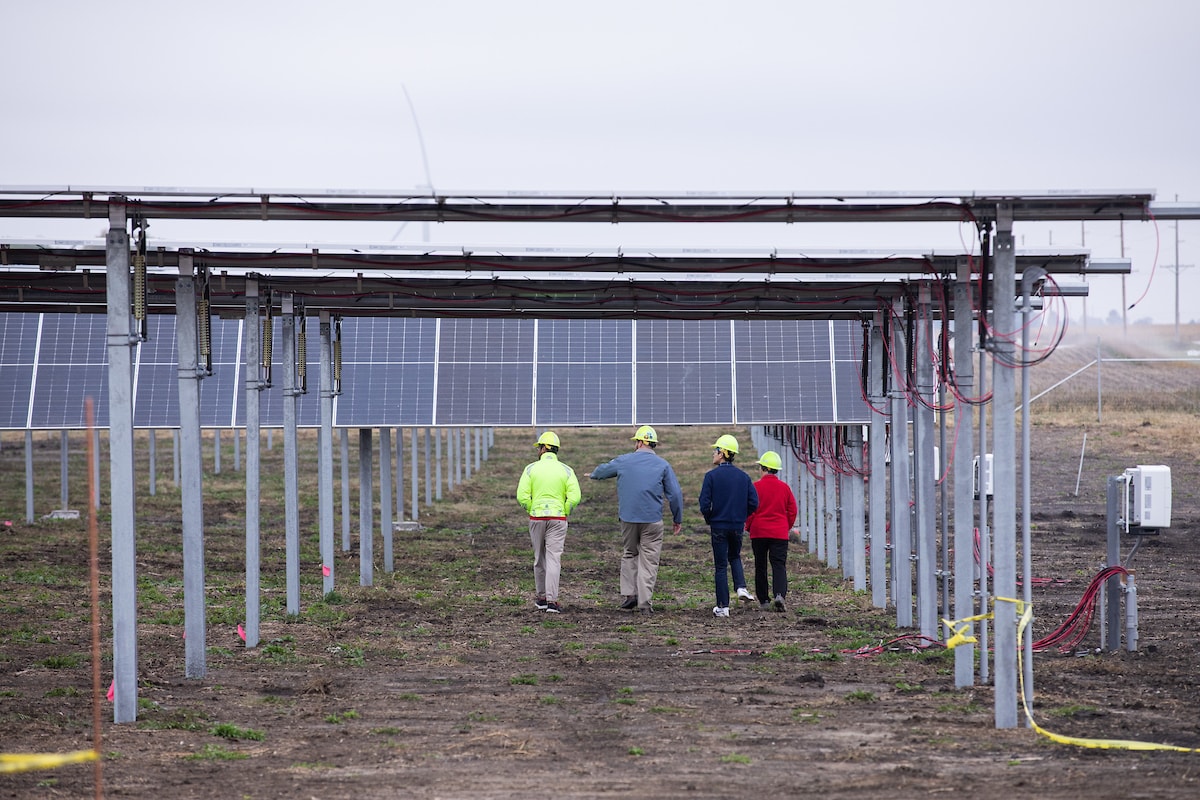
465 449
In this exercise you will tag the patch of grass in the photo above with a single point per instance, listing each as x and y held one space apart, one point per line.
234 733
908 688
181 719
280 651
861 696
806 715
735 758
388 730
523 680
339 718
847 638
549 700
215 752
616 647
787 651
62 661
636 751
551 623
63 691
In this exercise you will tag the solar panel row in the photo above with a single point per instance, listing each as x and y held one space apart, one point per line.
418 372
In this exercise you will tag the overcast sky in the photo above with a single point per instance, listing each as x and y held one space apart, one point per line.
619 96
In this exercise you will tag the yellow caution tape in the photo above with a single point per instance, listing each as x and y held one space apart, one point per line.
959 629
23 762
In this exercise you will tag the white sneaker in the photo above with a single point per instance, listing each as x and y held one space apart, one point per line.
721 611
744 594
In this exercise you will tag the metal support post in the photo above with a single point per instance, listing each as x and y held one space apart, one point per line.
1004 467
325 453
252 326
120 344
191 468
964 504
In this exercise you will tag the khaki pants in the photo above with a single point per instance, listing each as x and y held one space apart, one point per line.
548 537
639 562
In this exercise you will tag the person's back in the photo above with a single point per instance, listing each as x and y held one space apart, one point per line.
727 497
548 488
643 479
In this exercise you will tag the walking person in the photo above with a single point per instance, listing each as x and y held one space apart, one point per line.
548 490
727 498
643 479
769 527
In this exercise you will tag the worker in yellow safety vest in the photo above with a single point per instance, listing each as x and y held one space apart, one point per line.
548 491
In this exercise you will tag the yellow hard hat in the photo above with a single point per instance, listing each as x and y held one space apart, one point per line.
549 438
771 460
645 434
727 443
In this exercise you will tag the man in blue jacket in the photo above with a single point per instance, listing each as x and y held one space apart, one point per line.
643 479
727 498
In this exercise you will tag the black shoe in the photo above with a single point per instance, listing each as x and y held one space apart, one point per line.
646 609
779 603
629 605
553 608
540 602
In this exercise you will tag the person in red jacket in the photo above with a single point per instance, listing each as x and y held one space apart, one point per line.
769 527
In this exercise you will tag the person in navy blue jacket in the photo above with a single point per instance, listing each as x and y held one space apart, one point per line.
727 498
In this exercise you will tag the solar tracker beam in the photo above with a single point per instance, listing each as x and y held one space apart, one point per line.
598 208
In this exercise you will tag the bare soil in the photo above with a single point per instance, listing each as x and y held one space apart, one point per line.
443 681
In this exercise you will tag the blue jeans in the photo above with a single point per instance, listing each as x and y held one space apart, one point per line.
727 557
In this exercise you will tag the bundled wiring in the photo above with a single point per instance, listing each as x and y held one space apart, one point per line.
1072 630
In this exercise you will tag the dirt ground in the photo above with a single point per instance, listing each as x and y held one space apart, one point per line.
443 681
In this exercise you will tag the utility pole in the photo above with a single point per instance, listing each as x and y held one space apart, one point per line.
1177 268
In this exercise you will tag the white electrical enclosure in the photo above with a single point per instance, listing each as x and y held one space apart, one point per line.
1148 496
988 481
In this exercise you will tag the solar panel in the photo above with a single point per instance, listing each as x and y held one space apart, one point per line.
387 372
684 372
485 372
18 343
803 371
71 364
584 372
497 371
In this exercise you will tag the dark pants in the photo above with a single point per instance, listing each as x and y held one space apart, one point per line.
727 557
774 551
